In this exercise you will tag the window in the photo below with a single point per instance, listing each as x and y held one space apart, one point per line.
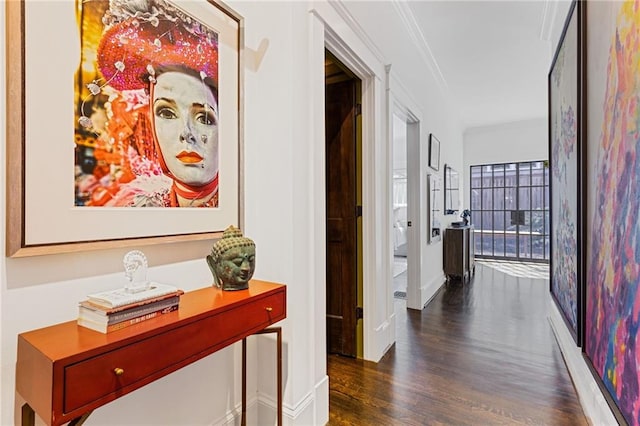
510 210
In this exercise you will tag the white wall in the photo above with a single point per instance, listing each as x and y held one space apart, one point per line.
399 132
504 143
284 181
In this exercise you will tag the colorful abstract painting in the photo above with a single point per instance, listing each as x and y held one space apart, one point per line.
563 146
612 342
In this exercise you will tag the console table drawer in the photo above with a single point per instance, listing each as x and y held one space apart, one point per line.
132 366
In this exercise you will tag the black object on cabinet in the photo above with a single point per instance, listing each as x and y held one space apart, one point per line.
459 253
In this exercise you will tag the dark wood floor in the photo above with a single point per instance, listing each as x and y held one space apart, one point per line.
479 354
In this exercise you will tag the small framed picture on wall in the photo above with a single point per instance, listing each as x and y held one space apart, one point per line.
434 152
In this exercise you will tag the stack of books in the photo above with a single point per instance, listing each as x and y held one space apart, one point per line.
117 309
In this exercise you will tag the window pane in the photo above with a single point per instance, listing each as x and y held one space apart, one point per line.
525 246
476 178
487 199
498 221
498 175
524 170
526 228
537 198
524 200
487 221
487 244
537 222
510 199
487 177
537 178
538 248
475 199
498 241
546 197
546 222
546 175
478 241
498 198
510 175
546 247
510 244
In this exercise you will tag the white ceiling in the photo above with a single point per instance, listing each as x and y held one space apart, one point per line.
493 56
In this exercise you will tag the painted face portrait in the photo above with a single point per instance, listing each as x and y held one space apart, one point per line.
185 119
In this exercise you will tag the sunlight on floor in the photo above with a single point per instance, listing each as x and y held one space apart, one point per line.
400 277
518 269
399 265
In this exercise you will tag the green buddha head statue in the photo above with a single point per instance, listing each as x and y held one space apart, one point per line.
232 260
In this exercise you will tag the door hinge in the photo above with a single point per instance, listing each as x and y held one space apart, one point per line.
358 109
358 211
408 224
359 313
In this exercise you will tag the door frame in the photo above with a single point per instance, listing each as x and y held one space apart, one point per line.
355 65
367 65
419 289
350 299
414 265
413 300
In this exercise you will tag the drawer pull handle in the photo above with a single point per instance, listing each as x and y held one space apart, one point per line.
118 371
269 309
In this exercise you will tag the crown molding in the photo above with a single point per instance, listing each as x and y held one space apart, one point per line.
420 41
352 23
548 18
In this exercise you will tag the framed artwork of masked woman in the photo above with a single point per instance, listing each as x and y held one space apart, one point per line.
134 135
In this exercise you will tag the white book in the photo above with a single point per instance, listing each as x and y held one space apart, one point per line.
121 297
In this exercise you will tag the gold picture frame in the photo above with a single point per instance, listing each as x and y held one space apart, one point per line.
42 216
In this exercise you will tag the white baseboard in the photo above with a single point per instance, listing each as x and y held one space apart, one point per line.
431 289
392 330
313 408
593 403
232 418
382 340
321 405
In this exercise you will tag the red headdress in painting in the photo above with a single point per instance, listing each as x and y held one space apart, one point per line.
142 36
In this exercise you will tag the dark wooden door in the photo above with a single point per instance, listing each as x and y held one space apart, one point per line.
340 116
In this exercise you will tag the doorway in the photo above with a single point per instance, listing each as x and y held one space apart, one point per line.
399 199
343 159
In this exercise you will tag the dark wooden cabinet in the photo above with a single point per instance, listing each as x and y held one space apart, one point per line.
65 371
459 253
471 251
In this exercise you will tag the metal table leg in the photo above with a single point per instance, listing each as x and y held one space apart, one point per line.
278 331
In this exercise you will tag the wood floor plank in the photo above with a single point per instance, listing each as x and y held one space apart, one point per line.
482 353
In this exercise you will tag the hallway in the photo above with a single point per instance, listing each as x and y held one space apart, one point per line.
479 354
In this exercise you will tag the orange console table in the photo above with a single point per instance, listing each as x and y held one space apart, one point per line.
65 371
